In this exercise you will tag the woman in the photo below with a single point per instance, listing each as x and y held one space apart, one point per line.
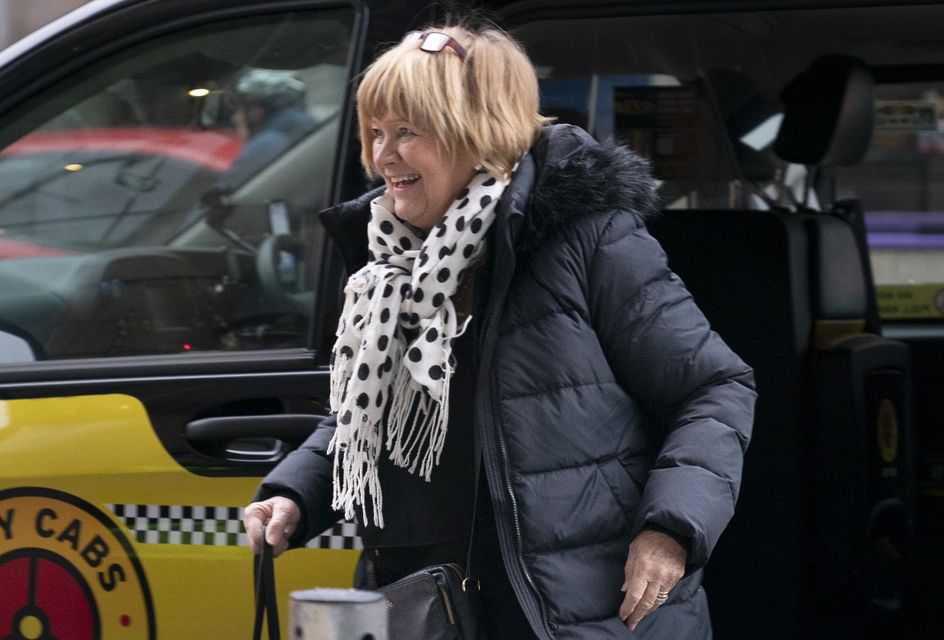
505 292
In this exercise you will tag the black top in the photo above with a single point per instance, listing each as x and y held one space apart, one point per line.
417 512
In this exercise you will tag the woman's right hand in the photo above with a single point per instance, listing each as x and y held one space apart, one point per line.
282 515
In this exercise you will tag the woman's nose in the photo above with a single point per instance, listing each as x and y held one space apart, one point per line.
385 152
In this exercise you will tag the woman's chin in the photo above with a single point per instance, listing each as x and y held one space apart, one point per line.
416 218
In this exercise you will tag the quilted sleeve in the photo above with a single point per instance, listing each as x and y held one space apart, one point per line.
698 393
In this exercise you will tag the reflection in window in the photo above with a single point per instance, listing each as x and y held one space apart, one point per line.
135 196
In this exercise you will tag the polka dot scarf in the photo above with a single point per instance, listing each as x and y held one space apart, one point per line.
391 363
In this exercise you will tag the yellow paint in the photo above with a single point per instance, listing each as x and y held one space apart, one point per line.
103 450
31 628
230 605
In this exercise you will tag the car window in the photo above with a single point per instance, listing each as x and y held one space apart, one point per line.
161 200
899 180
701 96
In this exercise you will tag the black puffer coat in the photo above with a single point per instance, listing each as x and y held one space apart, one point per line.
605 403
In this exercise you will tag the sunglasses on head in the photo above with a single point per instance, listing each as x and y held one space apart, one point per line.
435 41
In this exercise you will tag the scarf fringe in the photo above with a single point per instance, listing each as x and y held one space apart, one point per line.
340 377
356 473
417 424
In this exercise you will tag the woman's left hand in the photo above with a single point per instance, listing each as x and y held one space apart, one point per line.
656 563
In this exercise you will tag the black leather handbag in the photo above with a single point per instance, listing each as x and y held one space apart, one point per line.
434 603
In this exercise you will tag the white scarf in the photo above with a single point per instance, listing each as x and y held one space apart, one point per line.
391 364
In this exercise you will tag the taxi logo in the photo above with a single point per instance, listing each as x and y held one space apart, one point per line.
887 428
67 572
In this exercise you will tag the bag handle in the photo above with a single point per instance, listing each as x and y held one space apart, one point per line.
264 571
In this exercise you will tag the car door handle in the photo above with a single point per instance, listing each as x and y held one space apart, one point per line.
289 427
250 440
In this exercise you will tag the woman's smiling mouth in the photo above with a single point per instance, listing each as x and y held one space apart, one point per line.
400 183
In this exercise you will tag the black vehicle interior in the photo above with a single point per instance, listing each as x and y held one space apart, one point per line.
798 314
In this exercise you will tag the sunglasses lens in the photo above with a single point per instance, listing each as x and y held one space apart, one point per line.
434 42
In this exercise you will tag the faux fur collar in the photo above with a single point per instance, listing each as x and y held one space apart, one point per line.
575 175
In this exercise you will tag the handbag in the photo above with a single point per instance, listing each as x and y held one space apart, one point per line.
264 571
434 603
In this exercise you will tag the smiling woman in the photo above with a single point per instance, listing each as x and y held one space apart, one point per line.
496 253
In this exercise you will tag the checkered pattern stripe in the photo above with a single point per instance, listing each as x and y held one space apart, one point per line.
176 524
343 535
218 526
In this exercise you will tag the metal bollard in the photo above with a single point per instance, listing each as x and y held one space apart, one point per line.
337 614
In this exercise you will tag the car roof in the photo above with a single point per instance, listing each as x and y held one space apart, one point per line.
508 9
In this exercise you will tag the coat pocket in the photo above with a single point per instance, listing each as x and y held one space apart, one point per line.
625 491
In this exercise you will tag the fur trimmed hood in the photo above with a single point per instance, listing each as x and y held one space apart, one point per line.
575 175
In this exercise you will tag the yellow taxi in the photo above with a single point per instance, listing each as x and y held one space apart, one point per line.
168 296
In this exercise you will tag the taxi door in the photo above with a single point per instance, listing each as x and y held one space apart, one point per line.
164 286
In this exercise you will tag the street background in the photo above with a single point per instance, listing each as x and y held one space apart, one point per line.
20 17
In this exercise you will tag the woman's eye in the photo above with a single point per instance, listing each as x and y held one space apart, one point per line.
377 134
406 133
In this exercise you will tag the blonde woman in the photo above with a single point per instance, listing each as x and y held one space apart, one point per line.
504 291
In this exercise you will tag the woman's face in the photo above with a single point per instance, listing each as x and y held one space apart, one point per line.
420 177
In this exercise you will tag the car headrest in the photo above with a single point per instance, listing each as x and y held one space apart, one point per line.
828 113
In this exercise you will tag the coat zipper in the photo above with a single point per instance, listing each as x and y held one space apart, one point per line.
513 503
491 415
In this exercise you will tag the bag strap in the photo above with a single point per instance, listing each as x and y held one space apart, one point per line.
264 571
471 572
482 275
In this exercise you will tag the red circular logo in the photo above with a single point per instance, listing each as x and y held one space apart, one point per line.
67 572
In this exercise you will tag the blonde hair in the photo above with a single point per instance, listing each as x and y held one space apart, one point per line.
485 106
